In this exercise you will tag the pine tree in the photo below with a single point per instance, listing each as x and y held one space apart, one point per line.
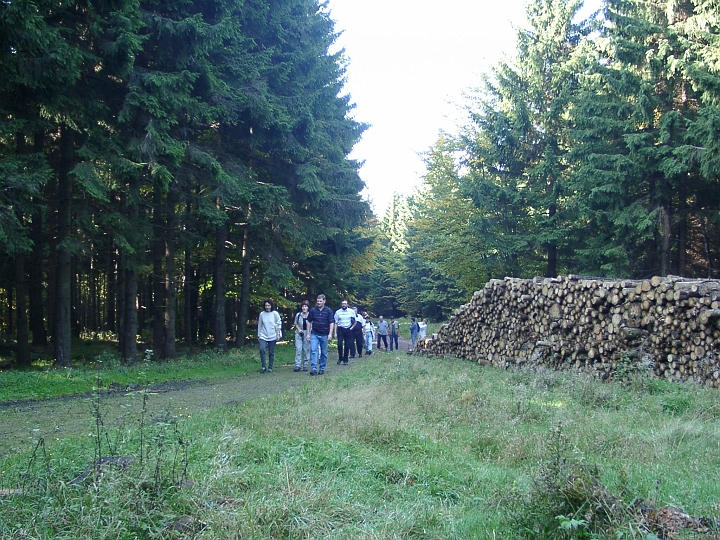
517 152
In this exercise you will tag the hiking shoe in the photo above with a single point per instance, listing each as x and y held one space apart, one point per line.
313 373
296 369
304 369
345 363
322 372
339 362
262 370
269 370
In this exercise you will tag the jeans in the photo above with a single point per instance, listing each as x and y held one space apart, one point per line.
270 346
384 340
414 337
318 340
302 351
394 337
368 342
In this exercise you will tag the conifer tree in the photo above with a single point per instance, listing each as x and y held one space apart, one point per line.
517 151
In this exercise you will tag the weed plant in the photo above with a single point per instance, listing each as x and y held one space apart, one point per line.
395 446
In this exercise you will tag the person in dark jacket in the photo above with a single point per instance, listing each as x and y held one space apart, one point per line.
322 325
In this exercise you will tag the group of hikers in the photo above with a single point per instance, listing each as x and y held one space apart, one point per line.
315 327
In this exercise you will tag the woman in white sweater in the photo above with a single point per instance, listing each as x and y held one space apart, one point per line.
269 332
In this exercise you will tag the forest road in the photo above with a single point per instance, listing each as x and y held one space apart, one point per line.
25 424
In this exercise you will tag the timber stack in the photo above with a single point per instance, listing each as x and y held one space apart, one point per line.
668 326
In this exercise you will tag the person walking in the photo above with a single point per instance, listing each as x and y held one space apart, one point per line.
394 332
358 330
369 334
269 332
414 329
344 321
382 332
319 334
422 328
302 346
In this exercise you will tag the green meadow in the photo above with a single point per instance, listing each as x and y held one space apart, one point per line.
394 446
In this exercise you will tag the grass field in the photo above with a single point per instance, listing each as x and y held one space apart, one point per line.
397 446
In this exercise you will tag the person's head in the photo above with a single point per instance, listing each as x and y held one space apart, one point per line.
305 305
380 318
392 318
321 301
269 305
344 304
413 319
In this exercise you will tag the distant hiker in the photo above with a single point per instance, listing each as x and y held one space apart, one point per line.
382 332
422 328
394 332
321 330
344 321
358 330
269 332
414 330
302 346
369 334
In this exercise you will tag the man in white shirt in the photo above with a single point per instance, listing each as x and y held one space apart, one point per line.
344 321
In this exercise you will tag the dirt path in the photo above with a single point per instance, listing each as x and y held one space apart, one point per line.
24 423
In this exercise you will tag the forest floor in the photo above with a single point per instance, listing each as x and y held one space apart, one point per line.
26 423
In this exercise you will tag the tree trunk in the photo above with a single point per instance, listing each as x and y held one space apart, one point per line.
35 290
665 233
220 287
62 328
244 289
682 245
158 282
36 287
190 298
22 353
128 349
169 350
111 297
552 247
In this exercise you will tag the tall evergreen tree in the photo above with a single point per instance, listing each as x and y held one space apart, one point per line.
517 151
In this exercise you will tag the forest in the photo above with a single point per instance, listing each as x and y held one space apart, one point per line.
594 150
165 166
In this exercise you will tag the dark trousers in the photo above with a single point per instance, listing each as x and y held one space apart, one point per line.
345 342
359 342
394 338
384 339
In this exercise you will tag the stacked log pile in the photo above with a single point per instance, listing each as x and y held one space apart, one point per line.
669 326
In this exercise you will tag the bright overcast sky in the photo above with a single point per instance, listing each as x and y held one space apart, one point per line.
410 62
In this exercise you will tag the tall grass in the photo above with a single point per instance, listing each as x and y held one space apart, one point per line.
106 370
396 446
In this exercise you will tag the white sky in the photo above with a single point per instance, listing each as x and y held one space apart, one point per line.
410 62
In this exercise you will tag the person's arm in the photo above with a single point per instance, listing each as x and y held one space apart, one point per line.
333 328
309 329
278 326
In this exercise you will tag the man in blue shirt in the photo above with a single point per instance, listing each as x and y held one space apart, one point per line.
344 321
321 326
